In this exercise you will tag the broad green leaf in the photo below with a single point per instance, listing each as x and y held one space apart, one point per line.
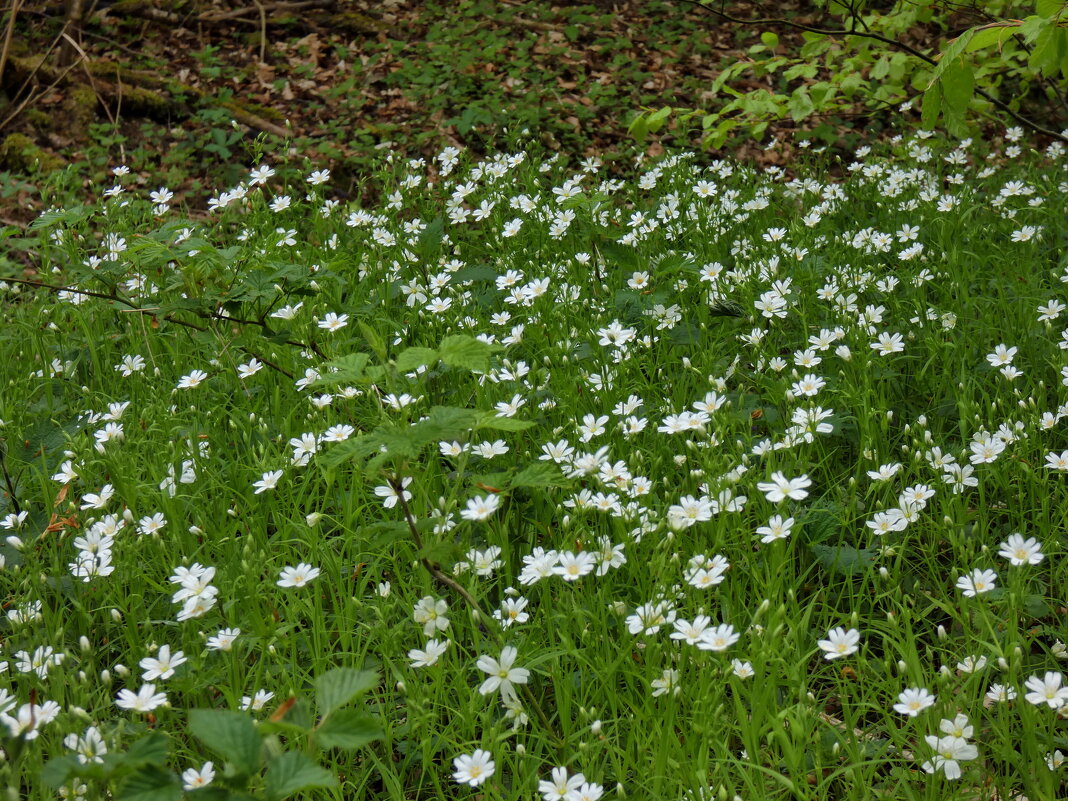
958 86
494 422
58 771
1049 8
232 735
932 106
538 474
476 272
349 728
994 35
770 39
149 750
293 771
1049 49
952 53
150 783
466 352
414 358
339 686
346 370
801 104
843 559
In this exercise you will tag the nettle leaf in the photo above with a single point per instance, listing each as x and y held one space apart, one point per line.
340 686
150 783
149 750
414 358
294 771
467 352
232 735
348 729
494 422
346 370
58 771
538 474
844 559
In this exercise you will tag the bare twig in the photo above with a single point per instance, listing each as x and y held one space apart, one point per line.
1034 126
15 5
133 307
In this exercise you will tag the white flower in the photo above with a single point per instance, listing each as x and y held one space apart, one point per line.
269 481
473 769
977 582
1047 690
780 487
162 665
718 639
840 643
430 653
502 675
913 701
144 700
949 752
297 576
1020 551
479 508
194 779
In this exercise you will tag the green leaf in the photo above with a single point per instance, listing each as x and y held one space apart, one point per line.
958 86
414 358
538 474
932 106
770 39
150 783
494 422
346 370
349 728
843 559
1049 8
339 686
58 771
995 35
232 735
481 273
466 352
1048 50
149 750
294 771
801 104
374 339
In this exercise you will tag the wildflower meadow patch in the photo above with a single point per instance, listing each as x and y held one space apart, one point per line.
685 480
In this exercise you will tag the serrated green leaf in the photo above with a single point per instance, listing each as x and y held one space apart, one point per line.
476 272
150 783
466 352
345 370
293 771
843 559
414 358
232 735
1048 50
932 106
958 86
149 750
340 686
538 474
58 771
349 728
492 421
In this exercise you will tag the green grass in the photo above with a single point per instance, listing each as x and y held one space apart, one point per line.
465 352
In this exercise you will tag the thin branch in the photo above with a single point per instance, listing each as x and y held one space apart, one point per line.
15 5
132 307
1034 126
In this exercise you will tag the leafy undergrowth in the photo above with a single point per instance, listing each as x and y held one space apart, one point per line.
702 483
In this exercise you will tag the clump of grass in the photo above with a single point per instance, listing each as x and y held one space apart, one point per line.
710 483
